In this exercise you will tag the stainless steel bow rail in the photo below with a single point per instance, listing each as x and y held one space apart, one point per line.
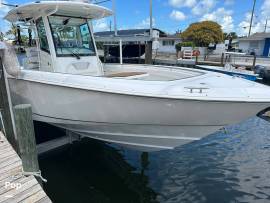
191 89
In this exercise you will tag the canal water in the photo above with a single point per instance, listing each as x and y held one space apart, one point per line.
228 166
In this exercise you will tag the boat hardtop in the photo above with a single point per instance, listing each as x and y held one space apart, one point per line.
36 9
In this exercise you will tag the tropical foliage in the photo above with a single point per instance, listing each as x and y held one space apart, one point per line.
1 36
203 33
12 31
184 44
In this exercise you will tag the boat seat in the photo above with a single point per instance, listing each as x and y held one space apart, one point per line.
125 74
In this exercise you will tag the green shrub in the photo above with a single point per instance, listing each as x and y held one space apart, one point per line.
184 44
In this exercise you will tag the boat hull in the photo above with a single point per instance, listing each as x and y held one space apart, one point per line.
144 123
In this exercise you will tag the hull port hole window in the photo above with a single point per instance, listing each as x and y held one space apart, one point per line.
71 36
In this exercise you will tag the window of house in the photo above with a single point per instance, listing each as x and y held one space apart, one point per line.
254 45
168 43
42 35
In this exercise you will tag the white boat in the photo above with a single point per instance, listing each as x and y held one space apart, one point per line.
145 107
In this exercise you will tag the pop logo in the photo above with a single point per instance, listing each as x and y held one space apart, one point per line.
16 186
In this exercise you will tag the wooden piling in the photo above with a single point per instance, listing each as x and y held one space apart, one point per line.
5 108
140 52
26 140
222 60
196 60
148 53
254 61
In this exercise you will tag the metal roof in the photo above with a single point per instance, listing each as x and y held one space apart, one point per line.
130 32
256 37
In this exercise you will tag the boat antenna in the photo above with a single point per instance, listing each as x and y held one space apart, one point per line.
251 18
151 18
115 25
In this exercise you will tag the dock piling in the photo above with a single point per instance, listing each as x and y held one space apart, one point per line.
5 108
254 61
222 60
26 140
148 53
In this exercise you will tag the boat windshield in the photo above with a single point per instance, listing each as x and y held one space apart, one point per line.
71 36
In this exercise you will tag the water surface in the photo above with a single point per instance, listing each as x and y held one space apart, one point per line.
231 166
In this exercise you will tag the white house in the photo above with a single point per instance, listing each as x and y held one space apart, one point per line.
162 42
167 43
258 43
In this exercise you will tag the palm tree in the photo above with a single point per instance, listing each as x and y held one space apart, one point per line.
12 31
1 36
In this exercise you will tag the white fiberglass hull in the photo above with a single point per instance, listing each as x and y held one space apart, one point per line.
142 122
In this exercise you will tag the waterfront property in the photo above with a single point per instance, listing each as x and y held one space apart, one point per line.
258 43
162 42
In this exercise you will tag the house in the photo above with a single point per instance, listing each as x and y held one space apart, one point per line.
130 34
161 41
258 43
167 43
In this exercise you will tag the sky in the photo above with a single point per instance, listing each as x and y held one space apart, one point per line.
176 15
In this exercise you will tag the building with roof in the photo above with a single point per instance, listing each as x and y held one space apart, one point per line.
161 41
258 43
166 44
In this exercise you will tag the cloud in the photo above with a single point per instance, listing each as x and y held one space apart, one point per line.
266 9
228 2
257 25
3 9
177 15
101 25
145 23
4 25
182 3
204 6
221 16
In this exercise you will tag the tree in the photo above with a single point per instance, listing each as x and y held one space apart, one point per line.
203 33
179 46
12 31
1 36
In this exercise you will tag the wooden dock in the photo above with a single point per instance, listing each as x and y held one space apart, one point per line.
15 186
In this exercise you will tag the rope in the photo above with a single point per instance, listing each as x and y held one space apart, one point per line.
36 174
26 174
